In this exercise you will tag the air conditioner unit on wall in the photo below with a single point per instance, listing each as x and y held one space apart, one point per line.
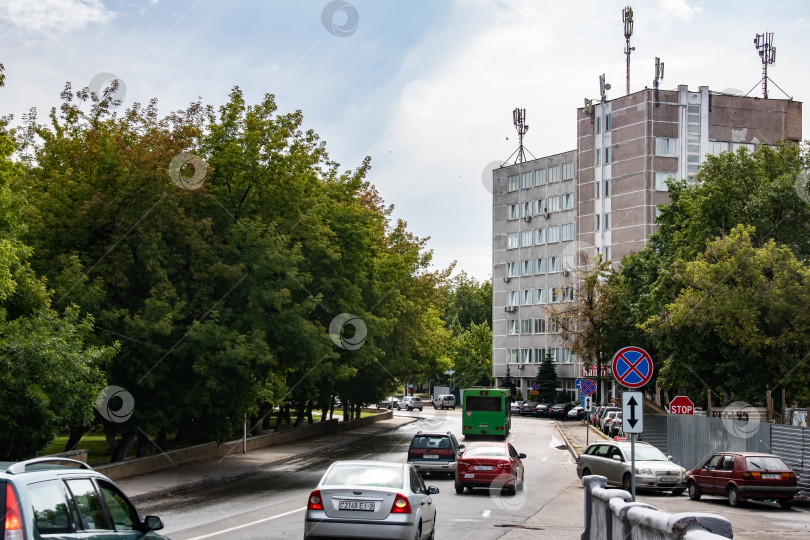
506 278
546 215
564 272
510 308
520 366
527 218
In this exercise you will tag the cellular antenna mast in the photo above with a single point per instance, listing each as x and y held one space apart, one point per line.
767 52
519 119
659 74
627 17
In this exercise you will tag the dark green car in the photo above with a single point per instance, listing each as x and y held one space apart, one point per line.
62 499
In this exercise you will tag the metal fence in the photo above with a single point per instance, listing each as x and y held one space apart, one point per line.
691 440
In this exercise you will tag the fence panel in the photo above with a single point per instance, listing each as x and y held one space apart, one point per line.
691 439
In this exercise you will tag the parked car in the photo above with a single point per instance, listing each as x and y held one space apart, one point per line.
614 426
390 402
541 409
527 408
64 498
410 403
603 410
560 410
444 401
611 459
744 475
490 465
516 406
609 415
371 499
577 413
434 453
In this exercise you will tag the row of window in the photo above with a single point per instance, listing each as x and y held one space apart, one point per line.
607 152
540 177
601 222
559 355
539 237
550 295
534 326
542 265
608 123
538 207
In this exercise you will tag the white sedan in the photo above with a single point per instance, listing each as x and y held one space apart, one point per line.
371 499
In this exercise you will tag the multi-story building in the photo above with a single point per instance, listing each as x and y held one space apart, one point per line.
603 197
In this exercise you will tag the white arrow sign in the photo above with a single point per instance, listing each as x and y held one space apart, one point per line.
587 404
633 412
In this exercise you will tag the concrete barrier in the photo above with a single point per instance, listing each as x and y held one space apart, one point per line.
212 450
610 516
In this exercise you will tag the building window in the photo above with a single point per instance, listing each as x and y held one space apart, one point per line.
526 238
526 326
608 122
512 183
526 297
525 356
511 356
567 294
596 189
554 234
568 262
553 264
554 174
540 265
608 253
539 355
567 232
748 146
539 207
540 326
539 296
666 146
511 269
661 181
512 327
511 211
608 155
526 268
511 240
598 125
563 355
540 177
607 188
596 222
539 237
568 170
606 221
513 298
597 157
718 147
526 180
527 209
554 204
568 201
555 299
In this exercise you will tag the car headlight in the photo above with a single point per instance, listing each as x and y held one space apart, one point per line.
683 471
644 472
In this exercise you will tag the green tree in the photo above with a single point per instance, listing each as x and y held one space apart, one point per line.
468 302
546 379
473 356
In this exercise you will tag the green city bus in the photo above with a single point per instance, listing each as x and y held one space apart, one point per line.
486 411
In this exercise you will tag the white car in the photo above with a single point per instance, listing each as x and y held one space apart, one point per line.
390 402
371 499
410 403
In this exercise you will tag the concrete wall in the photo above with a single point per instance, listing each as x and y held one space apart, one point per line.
610 515
212 450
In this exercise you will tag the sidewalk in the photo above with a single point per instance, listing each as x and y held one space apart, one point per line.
206 473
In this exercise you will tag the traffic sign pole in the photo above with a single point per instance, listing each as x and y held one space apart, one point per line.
633 467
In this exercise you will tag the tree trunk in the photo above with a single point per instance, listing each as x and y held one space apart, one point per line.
76 434
109 435
299 414
122 448
143 445
162 440
309 414
346 406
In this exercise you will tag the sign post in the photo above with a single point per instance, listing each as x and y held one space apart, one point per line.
681 405
587 387
633 368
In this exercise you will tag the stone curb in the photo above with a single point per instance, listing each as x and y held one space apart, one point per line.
568 444
244 471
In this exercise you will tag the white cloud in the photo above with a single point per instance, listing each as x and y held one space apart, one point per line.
679 9
57 16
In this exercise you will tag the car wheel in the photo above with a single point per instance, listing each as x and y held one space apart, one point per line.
586 472
433 530
694 491
459 489
678 491
418 532
733 496
785 503
627 483
511 490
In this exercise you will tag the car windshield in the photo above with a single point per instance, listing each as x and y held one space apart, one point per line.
766 463
647 453
431 441
364 475
485 451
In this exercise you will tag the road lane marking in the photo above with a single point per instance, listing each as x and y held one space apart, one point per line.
486 513
248 524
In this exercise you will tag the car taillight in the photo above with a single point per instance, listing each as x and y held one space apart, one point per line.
503 465
498 429
751 475
13 523
788 475
315 502
467 427
401 505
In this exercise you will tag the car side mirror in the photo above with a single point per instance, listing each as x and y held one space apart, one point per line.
522 456
433 490
152 523
461 446
617 458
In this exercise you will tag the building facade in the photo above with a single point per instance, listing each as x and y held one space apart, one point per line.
602 198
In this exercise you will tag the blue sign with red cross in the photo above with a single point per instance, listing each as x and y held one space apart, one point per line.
587 387
632 367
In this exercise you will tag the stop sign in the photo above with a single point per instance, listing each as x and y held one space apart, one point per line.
681 405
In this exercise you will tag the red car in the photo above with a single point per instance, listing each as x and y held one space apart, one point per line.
490 465
744 475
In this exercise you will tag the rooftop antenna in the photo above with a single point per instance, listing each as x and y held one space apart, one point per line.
519 119
627 17
659 74
767 52
603 87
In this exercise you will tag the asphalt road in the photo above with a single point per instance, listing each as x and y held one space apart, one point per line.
270 504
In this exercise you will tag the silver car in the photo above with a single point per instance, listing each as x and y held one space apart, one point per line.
611 459
371 499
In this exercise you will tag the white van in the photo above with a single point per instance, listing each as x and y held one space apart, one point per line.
444 401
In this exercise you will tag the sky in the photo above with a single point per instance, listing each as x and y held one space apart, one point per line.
426 88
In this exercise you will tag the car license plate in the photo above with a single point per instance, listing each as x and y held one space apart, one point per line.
468 475
356 505
431 456
669 478
483 467
483 425
771 476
